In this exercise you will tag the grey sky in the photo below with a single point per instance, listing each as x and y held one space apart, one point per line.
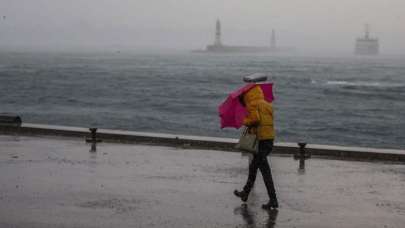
315 25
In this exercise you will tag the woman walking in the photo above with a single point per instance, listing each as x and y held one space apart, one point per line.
260 122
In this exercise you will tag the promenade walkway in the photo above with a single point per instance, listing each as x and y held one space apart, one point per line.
57 182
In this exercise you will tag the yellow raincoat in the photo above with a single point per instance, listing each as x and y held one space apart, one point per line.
260 114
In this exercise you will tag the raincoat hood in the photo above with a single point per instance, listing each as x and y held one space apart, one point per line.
253 95
232 110
260 114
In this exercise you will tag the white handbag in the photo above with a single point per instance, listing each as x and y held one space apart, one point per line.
248 142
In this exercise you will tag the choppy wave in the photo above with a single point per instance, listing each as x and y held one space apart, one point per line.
365 84
321 100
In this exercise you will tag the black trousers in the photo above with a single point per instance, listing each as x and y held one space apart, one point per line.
260 162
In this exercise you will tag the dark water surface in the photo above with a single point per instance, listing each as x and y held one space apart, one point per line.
340 101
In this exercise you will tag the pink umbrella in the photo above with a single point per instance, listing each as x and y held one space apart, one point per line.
231 110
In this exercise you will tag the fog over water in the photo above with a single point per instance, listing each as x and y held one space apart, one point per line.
324 26
128 64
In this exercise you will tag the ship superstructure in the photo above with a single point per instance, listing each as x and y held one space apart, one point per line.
367 45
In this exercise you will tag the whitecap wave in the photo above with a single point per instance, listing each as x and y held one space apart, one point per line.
364 84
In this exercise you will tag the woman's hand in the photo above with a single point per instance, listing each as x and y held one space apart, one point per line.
252 130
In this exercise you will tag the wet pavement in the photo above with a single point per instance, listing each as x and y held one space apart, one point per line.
57 182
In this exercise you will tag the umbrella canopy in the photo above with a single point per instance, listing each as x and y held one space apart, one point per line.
232 112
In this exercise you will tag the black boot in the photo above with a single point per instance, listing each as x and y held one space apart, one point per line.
241 194
272 204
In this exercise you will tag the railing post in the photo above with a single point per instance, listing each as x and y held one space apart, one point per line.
93 139
302 155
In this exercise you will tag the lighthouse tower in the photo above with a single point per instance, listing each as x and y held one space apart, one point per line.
218 41
273 41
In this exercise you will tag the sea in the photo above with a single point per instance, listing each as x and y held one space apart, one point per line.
345 100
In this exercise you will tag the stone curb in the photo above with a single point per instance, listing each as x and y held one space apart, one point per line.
200 142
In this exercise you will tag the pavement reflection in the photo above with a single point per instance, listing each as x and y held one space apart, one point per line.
250 220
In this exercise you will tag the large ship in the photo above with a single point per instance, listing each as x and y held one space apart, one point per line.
367 45
219 47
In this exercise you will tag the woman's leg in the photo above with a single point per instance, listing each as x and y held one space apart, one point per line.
258 159
267 145
268 180
253 167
